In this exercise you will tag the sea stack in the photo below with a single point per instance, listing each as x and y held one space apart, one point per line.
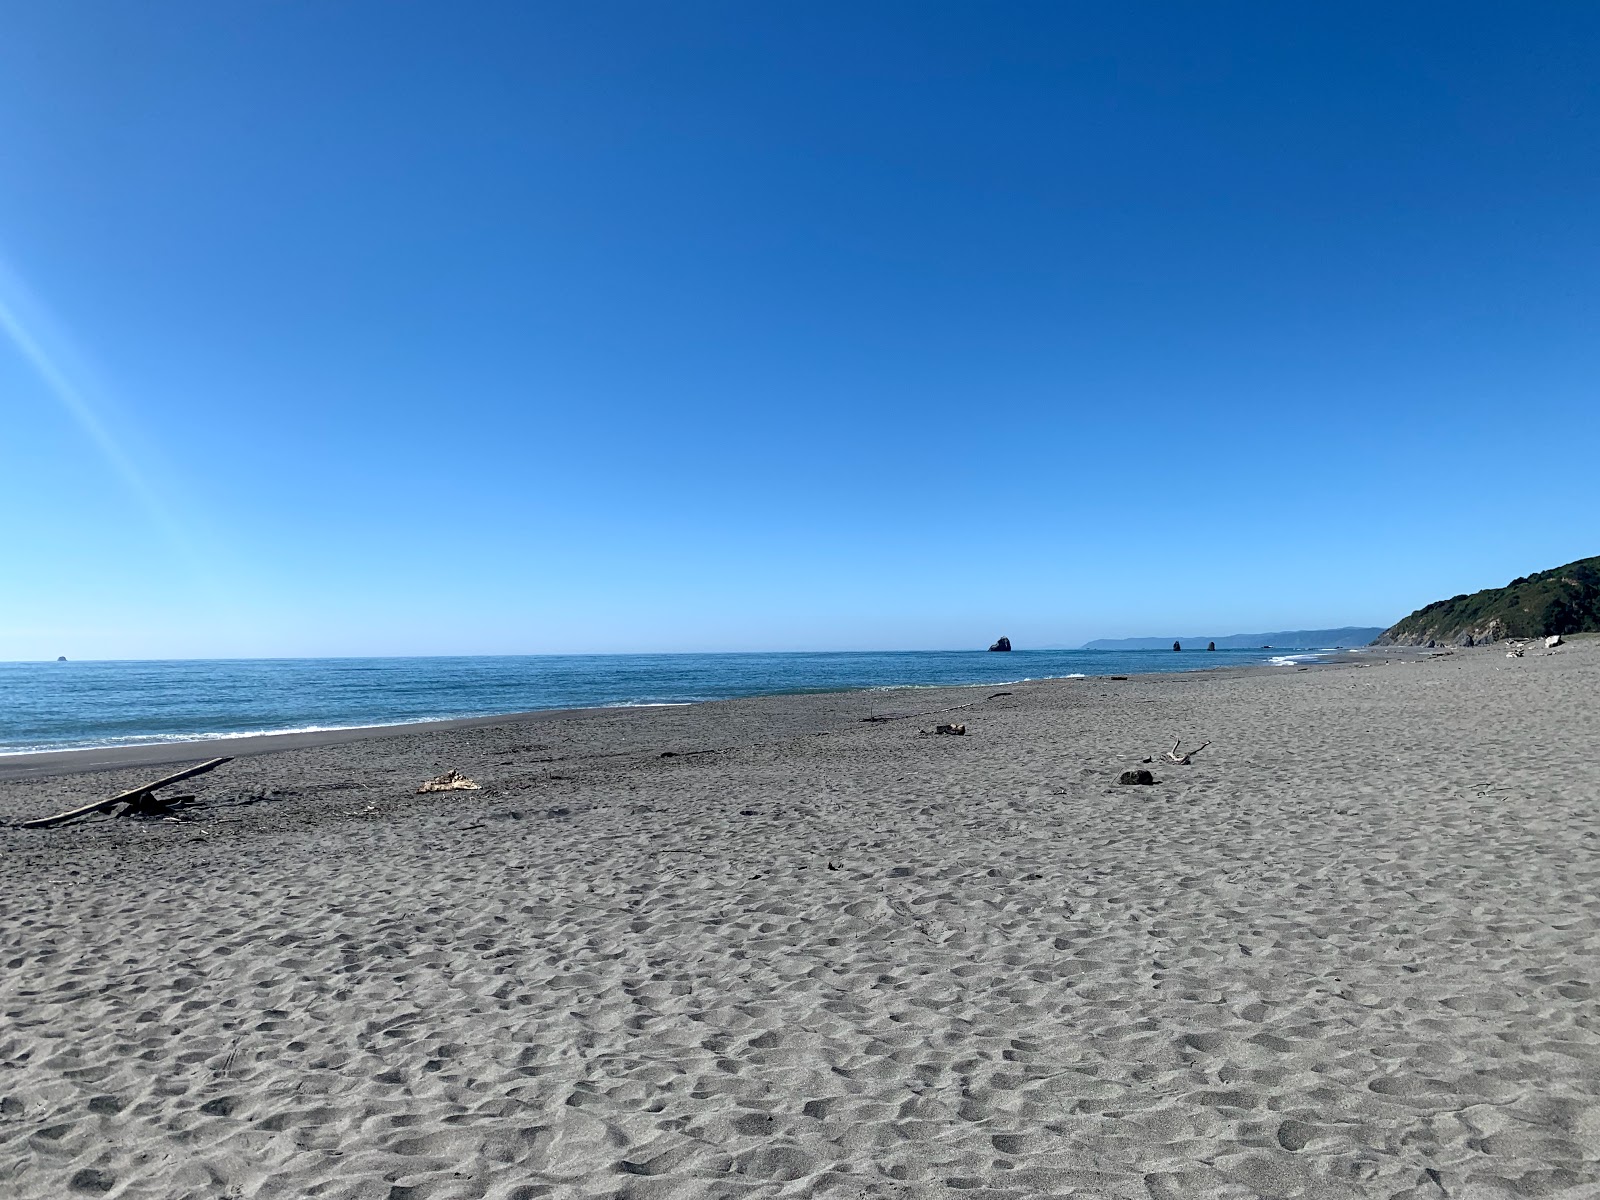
1002 645
1211 645
1177 646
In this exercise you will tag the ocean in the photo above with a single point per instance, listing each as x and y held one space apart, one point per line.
71 705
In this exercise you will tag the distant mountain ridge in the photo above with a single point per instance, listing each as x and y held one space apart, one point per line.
1560 600
1286 639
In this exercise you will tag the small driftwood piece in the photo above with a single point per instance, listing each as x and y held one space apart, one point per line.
137 797
1183 759
928 713
953 730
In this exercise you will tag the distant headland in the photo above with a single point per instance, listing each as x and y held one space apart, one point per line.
1285 639
1560 600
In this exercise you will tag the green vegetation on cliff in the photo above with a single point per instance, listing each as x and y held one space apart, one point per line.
1562 600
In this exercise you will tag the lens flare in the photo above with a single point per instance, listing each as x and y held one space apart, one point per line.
15 301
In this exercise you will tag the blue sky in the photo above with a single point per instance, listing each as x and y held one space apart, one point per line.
422 328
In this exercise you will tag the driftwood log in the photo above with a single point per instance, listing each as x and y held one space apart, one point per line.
136 797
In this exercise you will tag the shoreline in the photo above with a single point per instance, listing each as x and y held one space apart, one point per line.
82 760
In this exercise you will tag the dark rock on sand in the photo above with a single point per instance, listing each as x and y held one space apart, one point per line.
1003 644
1140 776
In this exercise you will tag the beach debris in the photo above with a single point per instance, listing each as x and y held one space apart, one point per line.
1002 646
877 719
1183 759
1124 678
1551 642
146 805
450 781
953 730
1514 653
138 799
1139 776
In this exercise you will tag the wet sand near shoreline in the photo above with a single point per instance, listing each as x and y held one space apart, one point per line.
768 948
46 764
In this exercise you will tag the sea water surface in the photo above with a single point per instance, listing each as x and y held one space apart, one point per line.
69 705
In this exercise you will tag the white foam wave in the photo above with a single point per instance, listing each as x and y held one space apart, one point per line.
166 739
1293 660
134 741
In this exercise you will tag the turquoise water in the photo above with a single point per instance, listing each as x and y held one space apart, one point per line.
65 705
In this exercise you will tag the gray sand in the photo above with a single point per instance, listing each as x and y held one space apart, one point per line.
1349 951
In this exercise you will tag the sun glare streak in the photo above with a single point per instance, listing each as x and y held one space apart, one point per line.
72 399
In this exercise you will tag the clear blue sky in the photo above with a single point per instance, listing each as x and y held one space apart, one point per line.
346 328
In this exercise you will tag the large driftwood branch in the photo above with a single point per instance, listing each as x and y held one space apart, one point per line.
72 814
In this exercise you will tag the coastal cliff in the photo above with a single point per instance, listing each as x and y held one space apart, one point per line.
1561 600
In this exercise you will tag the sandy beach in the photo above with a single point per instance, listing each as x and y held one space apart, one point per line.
769 948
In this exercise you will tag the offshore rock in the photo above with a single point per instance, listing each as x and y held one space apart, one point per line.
1003 644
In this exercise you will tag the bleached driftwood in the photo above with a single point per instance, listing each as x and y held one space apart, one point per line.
450 781
1183 759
